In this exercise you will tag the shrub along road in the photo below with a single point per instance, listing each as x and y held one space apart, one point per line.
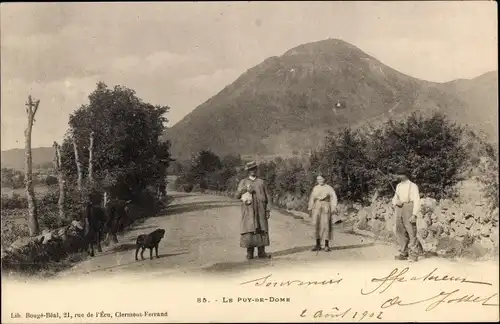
202 234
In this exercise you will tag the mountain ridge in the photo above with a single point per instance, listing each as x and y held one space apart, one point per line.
14 158
295 93
287 103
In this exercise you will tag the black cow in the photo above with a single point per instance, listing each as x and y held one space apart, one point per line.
95 220
99 220
116 213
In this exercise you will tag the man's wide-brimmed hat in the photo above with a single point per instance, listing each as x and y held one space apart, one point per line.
403 171
251 165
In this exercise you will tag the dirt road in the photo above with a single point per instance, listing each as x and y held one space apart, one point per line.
201 256
202 232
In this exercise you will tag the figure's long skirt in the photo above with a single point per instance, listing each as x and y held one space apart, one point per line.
322 220
249 240
254 214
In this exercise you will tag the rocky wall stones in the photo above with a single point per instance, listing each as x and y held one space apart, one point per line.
470 221
50 246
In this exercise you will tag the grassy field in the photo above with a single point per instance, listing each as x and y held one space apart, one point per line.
14 221
39 190
14 225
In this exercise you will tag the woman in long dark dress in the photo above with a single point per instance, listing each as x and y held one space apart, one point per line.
255 211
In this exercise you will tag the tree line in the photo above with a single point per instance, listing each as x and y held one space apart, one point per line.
14 179
359 163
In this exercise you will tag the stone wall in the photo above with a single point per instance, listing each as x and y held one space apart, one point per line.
34 253
446 219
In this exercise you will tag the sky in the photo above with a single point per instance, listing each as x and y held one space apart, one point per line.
181 54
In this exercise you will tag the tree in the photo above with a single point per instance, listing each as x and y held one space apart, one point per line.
202 164
231 161
91 162
59 180
431 147
288 176
344 163
267 171
127 153
32 108
78 162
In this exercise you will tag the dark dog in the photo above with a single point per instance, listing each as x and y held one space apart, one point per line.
149 241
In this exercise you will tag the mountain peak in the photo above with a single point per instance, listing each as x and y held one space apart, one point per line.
327 46
286 102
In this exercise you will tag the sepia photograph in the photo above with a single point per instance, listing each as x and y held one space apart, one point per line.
237 162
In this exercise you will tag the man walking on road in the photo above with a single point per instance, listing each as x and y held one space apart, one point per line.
406 201
255 212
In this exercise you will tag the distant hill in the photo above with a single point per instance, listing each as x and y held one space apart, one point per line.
284 105
287 103
481 96
14 158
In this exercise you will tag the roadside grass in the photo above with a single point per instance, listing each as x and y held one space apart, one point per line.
14 226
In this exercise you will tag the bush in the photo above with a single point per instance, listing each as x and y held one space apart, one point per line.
355 162
14 202
14 225
50 181
430 147
207 171
488 177
12 178
48 211
50 219
345 164
14 216
292 176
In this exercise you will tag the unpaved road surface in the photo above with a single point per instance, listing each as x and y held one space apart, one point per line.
202 234
200 257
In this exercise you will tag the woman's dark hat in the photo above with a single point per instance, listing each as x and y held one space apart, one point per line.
251 166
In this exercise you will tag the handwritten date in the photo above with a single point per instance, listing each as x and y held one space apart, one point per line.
337 313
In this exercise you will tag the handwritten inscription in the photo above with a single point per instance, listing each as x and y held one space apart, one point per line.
266 282
453 297
398 276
